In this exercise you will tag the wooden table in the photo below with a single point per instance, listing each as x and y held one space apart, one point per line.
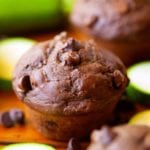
18 133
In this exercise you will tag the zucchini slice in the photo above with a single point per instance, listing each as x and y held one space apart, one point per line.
139 87
28 146
11 50
141 118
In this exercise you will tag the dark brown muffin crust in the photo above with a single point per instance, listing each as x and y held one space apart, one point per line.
126 137
65 76
114 19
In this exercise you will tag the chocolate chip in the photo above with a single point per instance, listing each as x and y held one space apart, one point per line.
37 78
118 79
11 117
44 76
25 84
73 144
107 135
17 116
73 45
70 58
6 120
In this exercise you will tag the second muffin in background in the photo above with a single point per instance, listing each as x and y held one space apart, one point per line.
123 137
122 26
70 87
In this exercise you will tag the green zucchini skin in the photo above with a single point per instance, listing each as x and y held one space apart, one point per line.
29 15
67 6
7 49
138 88
137 96
5 85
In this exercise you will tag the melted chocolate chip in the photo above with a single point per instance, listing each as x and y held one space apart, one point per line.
73 144
73 45
11 117
70 58
6 120
17 116
25 84
37 78
118 79
107 135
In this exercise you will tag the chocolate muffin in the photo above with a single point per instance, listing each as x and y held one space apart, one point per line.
70 87
126 137
119 25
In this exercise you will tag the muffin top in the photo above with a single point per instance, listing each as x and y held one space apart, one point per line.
126 137
66 76
114 19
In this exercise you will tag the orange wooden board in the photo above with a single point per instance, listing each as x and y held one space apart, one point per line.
24 133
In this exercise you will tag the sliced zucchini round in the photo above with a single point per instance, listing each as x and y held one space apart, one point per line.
67 6
28 146
139 87
11 50
141 118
